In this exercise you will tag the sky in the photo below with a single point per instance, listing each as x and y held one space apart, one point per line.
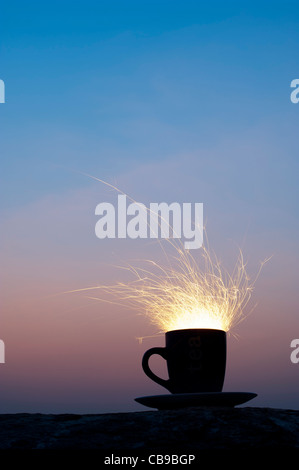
169 101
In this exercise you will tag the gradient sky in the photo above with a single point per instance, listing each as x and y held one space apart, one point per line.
171 101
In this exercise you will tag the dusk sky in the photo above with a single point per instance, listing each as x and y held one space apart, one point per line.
169 101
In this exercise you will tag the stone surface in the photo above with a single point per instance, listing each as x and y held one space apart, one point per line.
200 431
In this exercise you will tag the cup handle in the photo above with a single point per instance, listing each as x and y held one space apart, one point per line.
161 352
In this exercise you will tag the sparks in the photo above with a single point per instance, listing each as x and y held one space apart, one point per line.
186 292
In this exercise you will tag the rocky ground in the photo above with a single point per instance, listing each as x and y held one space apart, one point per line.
202 432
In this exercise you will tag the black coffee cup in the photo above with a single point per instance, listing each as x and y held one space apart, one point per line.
196 360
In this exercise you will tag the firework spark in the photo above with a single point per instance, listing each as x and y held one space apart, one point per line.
185 292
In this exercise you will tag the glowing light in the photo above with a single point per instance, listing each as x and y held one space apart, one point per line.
186 292
187 295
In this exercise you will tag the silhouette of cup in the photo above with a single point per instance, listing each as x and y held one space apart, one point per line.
196 360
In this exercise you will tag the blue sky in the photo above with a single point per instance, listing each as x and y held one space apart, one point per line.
104 86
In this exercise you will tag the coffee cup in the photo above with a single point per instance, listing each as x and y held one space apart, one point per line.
196 360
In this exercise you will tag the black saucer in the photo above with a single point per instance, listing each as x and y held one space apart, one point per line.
184 400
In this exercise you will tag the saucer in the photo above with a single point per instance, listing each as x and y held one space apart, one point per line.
184 400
